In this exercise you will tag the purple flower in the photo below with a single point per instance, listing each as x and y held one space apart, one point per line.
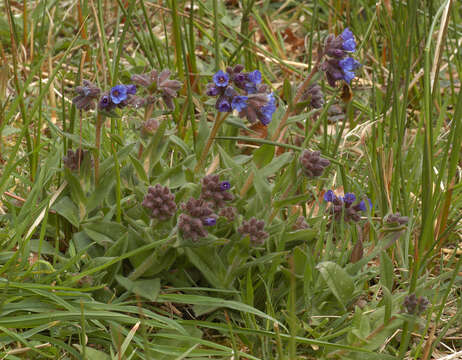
266 112
329 196
349 43
348 66
223 105
221 79
210 221
255 77
362 206
118 94
239 103
349 198
225 185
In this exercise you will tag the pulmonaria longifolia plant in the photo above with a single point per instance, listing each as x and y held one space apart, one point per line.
339 65
157 85
243 92
196 217
346 205
215 192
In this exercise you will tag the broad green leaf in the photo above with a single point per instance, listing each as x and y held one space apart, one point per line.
148 289
339 282
67 209
93 354
386 270
263 155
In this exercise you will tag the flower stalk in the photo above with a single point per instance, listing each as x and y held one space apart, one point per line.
213 133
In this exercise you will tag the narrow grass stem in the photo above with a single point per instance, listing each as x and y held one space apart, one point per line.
99 123
216 126
280 131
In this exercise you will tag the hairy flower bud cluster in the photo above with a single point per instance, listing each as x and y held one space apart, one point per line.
149 127
215 192
159 83
248 96
414 305
228 212
197 214
346 205
339 66
314 95
312 163
160 202
74 159
87 94
255 230
300 223
396 219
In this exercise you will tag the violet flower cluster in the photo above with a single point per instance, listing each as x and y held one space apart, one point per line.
339 65
74 159
197 215
120 96
255 230
160 202
215 192
158 83
415 305
243 92
346 205
312 163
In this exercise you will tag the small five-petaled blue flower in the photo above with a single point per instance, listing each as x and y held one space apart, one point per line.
210 221
349 65
349 43
221 78
225 185
118 94
255 77
268 110
223 105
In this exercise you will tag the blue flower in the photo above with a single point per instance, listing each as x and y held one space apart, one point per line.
221 78
349 43
225 185
349 198
362 205
348 66
210 221
329 196
118 94
223 105
255 77
239 103
267 110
